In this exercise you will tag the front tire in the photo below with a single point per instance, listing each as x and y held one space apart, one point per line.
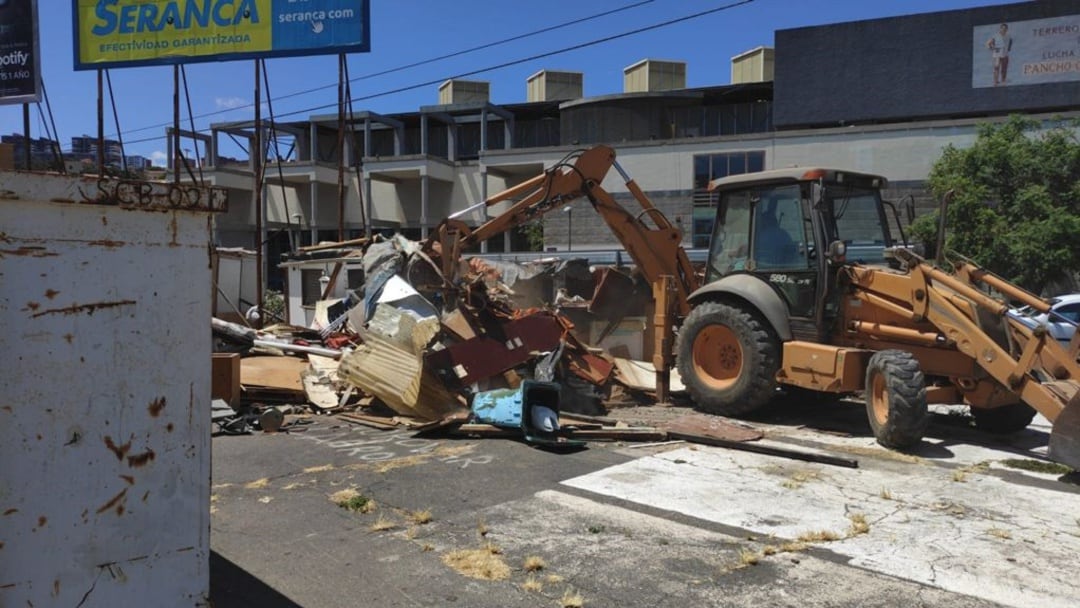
728 357
896 399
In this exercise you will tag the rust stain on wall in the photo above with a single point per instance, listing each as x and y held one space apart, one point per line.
7 408
112 501
174 229
156 406
69 338
32 306
107 243
51 293
169 427
120 450
28 251
129 479
56 587
75 309
11 511
42 520
140 460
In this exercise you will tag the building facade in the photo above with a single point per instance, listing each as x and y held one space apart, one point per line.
856 95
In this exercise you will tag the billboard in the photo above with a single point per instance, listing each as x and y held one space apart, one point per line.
929 65
20 65
1036 51
116 33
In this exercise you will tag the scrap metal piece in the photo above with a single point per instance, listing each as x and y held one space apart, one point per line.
485 356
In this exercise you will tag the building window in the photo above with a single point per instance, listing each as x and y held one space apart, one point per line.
310 288
708 167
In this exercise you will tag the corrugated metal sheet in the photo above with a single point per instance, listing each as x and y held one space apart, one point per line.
398 378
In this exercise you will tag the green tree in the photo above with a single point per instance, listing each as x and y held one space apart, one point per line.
1016 205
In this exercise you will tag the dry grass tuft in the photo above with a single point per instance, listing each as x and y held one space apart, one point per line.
258 484
769 550
959 476
292 486
400 463
878 453
799 478
572 599
749 558
427 547
534 563
478 563
533 584
213 498
818 536
492 548
411 533
793 547
999 533
886 494
553 579
382 524
319 469
482 527
420 517
859 525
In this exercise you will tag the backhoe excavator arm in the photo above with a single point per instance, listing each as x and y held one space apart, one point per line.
656 251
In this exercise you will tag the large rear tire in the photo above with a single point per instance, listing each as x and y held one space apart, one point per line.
728 357
896 399
1003 420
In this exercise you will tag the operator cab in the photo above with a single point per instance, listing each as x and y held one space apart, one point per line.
792 228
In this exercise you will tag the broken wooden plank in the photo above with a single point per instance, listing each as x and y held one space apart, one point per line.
767 450
379 422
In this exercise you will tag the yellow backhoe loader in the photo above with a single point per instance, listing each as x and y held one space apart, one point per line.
807 287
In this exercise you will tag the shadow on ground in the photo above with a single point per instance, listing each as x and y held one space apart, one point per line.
233 587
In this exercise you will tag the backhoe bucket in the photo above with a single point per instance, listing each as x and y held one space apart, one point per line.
1065 435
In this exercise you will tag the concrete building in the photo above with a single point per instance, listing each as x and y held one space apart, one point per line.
857 95
42 150
86 148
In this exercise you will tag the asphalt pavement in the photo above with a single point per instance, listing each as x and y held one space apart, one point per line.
496 522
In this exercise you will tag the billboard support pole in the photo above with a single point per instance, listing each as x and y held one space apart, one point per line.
116 121
26 134
341 147
256 195
100 125
174 141
359 170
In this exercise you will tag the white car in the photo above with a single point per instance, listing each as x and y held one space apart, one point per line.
1061 322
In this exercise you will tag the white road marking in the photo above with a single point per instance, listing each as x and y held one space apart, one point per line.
983 536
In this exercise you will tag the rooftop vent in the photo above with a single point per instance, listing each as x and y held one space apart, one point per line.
552 85
464 91
650 75
755 65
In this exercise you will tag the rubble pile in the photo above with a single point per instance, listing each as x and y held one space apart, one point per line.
499 346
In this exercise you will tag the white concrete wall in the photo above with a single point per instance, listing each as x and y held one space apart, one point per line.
104 404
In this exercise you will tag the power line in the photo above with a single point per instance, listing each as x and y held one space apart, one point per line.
408 66
514 62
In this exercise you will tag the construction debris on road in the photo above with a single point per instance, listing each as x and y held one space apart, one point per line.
504 350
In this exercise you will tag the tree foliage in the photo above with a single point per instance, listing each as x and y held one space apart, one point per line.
1016 205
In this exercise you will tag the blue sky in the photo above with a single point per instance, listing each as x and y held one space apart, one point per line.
409 31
